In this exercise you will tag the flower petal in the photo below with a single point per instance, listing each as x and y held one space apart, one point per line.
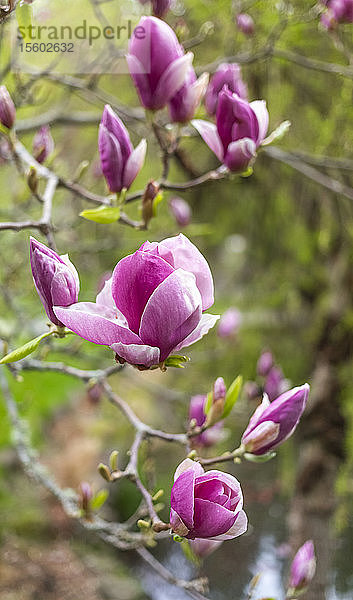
206 323
172 312
210 519
137 354
172 80
111 159
261 112
95 323
208 132
179 252
135 278
238 528
189 464
134 163
239 154
182 497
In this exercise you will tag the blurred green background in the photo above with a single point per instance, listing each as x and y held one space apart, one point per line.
280 249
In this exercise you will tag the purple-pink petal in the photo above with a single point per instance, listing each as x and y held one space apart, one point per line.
172 312
134 164
96 323
137 354
210 519
182 497
208 132
134 280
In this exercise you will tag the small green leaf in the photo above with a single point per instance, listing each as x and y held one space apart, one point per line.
25 350
24 19
249 171
277 134
208 404
176 361
178 538
99 499
232 395
259 459
103 214
156 202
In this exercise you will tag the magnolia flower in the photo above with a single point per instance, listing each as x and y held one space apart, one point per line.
206 505
338 11
240 129
245 23
55 278
229 323
180 210
43 144
265 363
210 436
229 75
157 62
7 108
152 306
303 567
120 162
274 422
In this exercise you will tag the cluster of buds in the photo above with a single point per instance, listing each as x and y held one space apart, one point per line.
208 423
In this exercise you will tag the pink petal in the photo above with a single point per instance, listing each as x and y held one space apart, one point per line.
208 132
188 464
261 112
137 354
183 254
95 323
172 312
172 80
205 324
239 154
134 164
211 519
238 528
182 497
105 298
135 278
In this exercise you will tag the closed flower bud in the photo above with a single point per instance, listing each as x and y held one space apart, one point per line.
229 323
7 108
303 568
219 395
43 144
157 62
264 364
274 422
152 306
240 129
229 75
206 505
120 162
55 278
245 24
197 415
180 210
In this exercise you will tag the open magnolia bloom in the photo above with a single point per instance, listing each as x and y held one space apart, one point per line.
206 505
152 306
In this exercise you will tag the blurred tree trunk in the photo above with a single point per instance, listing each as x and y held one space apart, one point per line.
323 430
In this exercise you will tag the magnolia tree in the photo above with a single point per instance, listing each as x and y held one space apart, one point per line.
155 303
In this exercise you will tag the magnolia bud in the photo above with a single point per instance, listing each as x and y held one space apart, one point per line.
149 195
7 108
